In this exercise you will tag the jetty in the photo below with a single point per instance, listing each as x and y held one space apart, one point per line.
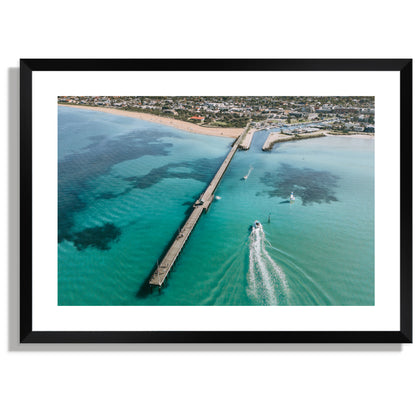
247 139
202 204
275 137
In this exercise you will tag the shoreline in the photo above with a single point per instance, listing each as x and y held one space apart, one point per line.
356 135
229 132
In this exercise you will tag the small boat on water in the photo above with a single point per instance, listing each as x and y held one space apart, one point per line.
248 174
292 198
257 225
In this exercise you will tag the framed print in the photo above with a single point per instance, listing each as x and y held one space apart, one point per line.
216 201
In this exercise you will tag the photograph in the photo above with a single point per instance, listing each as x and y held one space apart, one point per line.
216 200
198 218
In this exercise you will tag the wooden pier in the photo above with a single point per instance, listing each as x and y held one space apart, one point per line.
203 203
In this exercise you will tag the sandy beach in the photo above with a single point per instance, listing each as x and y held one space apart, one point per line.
357 136
177 124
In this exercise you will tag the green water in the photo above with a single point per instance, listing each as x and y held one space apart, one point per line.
126 186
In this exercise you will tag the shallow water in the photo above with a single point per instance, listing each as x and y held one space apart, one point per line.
126 185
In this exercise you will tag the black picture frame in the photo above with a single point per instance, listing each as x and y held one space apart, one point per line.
28 66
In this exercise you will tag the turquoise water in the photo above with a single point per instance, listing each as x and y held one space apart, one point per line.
125 186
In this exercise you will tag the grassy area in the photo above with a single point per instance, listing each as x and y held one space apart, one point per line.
217 124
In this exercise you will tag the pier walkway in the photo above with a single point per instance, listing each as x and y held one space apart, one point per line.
203 203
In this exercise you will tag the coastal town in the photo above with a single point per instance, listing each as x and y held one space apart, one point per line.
292 115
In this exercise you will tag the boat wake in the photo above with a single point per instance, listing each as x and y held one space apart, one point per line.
248 174
267 283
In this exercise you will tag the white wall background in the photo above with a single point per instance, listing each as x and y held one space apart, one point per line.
191 380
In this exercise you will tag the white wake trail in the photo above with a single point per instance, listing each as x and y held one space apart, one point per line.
267 281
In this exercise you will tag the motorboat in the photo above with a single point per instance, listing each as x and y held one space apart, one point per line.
257 225
248 174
